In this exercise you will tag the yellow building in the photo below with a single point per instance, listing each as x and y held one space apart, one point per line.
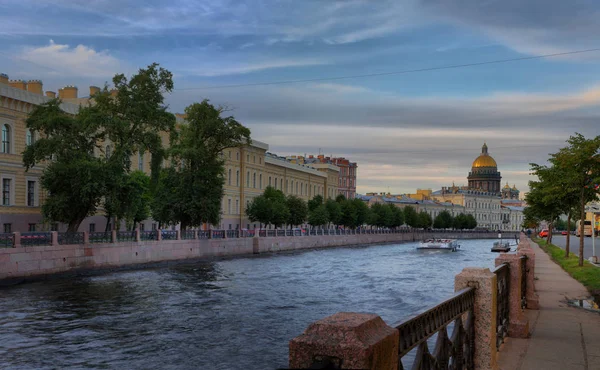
248 170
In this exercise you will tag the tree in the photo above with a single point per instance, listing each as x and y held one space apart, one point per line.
318 216
334 210
271 207
138 193
340 198
424 220
196 164
362 211
542 199
443 220
471 222
382 215
410 216
281 214
397 216
349 216
75 179
298 210
315 202
460 221
261 210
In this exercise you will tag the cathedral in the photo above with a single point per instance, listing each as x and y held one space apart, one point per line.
484 173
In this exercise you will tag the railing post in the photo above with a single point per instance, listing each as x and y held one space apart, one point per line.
158 234
137 235
16 239
225 233
210 233
524 249
54 237
347 340
178 235
86 238
518 324
195 233
113 236
484 311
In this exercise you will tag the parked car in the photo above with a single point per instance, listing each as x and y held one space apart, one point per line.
299 232
564 232
543 233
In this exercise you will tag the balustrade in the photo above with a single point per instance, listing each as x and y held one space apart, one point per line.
502 306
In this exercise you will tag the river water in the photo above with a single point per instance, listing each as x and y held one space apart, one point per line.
229 314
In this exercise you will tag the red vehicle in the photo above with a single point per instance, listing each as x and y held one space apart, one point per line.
543 233
564 232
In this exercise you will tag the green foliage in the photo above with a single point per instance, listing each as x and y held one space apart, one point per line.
471 222
382 215
281 214
133 199
318 216
410 216
270 208
340 198
349 217
397 216
362 211
424 220
334 210
194 182
443 220
460 222
315 202
298 210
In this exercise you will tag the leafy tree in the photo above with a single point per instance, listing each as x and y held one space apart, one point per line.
318 216
138 190
424 220
471 222
196 164
335 211
75 180
340 198
410 216
460 222
281 214
542 201
261 210
443 220
315 202
397 216
298 210
362 211
269 208
349 216
383 215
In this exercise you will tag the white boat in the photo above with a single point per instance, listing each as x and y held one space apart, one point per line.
439 244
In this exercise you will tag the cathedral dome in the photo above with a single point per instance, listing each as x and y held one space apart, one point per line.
484 160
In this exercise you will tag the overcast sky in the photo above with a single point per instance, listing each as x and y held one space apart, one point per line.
406 131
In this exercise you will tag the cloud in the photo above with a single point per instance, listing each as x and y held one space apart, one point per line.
212 71
64 60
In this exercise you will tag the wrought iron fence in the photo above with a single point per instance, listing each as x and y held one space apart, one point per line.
70 238
126 236
149 235
188 234
168 234
503 288
218 234
40 238
280 232
524 272
7 240
99 237
262 233
271 232
454 352
203 234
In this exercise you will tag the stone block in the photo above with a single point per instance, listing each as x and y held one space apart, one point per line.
484 281
518 326
352 340
533 300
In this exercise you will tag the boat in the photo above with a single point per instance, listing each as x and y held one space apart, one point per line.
501 246
439 244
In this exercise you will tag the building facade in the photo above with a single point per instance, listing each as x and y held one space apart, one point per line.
484 173
346 185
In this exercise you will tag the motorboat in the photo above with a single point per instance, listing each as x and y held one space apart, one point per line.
501 246
439 244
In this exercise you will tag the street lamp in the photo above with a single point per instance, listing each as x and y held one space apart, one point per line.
594 209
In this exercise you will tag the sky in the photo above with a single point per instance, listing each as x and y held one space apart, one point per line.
409 130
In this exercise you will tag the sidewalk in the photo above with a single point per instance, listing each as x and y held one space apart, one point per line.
562 337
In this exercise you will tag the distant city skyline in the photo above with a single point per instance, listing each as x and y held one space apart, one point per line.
405 131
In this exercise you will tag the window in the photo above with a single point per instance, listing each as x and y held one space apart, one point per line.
6 184
296 188
141 161
31 193
154 226
248 179
254 180
259 160
54 227
229 176
237 207
107 152
141 227
270 181
6 139
29 137
31 227
247 158
229 154
260 181
229 226
237 156
301 187
281 184
8 228
254 159
229 206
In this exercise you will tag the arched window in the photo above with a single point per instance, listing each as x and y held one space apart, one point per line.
229 176
29 137
108 149
6 139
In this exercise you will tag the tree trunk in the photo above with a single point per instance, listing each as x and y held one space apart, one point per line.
567 245
549 236
581 227
74 225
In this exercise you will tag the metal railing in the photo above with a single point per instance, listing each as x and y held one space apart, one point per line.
7 240
502 305
99 237
459 347
524 272
188 234
203 234
218 234
168 234
126 236
32 239
70 238
149 235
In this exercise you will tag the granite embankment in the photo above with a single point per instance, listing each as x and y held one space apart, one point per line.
38 262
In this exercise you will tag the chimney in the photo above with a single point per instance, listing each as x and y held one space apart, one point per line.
114 92
94 90
51 94
68 92
35 86
19 84
3 78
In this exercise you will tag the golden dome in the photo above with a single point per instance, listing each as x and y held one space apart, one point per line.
484 160
507 186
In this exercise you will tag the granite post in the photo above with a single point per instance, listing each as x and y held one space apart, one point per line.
533 300
518 325
347 340
113 236
86 238
484 281
137 235
54 237
16 239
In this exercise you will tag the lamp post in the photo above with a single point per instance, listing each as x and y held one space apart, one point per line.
594 209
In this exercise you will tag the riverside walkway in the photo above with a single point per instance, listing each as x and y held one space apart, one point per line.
562 337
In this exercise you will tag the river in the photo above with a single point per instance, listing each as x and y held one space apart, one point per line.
229 314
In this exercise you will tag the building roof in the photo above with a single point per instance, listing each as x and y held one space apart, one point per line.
484 159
